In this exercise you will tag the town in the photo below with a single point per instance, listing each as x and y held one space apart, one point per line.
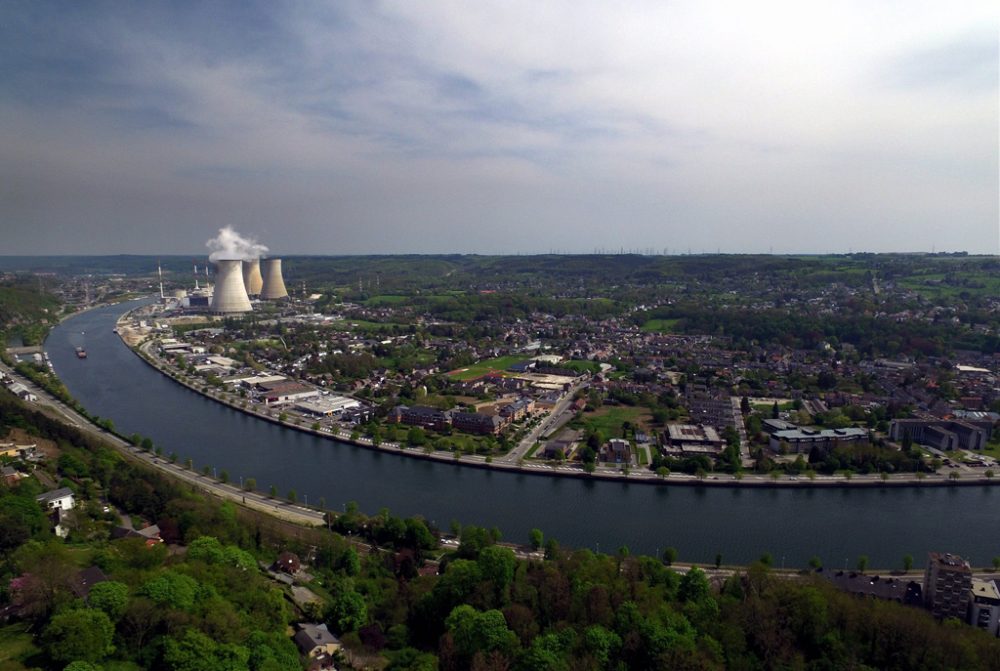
851 368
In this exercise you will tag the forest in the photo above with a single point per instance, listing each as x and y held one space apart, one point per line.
396 598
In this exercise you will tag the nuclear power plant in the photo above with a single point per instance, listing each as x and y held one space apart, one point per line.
242 278
251 277
274 284
230 295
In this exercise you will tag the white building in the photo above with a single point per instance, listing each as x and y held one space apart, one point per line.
984 606
61 499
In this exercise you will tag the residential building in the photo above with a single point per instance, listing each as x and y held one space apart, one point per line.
317 643
617 451
477 422
57 499
519 409
420 415
947 585
984 606
900 590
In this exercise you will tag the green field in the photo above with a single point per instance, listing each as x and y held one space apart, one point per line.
487 366
386 299
15 646
581 366
660 326
608 420
362 325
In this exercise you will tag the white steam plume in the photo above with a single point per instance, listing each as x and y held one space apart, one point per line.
229 244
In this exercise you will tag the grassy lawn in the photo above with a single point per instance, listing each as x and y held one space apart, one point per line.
362 325
385 299
609 419
643 454
581 366
992 450
488 366
660 326
15 646
534 448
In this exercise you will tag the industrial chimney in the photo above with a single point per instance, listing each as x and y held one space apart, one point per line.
230 295
251 276
274 284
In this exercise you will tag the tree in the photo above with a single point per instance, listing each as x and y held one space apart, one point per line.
84 635
718 559
223 476
815 562
907 562
474 631
693 586
774 410
273 492
416 436
250 484
292 496
194 651
862 563
347 610
171 589
350 562
996 563
669 556
109 596
79 665
497 565
411 659
535 539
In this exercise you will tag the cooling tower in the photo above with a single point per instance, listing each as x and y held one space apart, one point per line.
230 295
251 276
274 285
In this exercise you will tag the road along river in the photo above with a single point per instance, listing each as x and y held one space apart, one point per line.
838 525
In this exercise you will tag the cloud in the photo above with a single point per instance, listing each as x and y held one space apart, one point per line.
229 244
968 64
499 127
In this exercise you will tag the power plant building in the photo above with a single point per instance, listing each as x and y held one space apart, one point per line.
251 277
230 295
274 285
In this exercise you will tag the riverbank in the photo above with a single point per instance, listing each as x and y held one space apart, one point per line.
638 476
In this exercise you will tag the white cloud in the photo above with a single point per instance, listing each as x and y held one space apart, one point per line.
424 127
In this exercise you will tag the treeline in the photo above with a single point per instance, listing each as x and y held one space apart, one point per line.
872 337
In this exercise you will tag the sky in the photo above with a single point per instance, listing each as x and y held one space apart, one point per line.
500 127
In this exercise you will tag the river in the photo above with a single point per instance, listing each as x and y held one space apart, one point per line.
838 525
